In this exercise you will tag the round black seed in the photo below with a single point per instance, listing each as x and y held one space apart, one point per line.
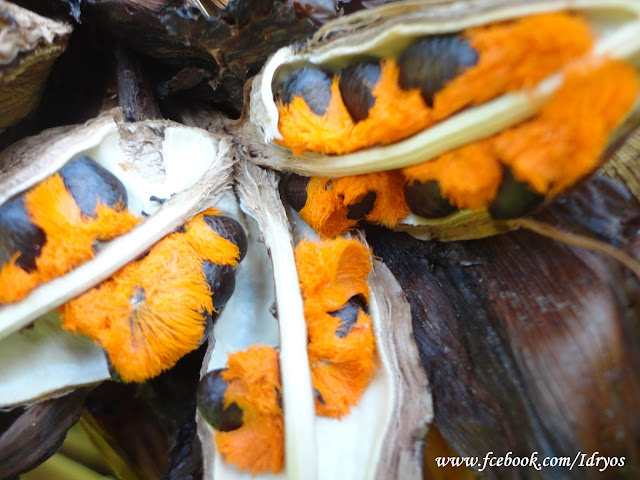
348 315
229 229
356 83
359 210
210 401
294 189
425 200
88 181
313 85
514 198
430 63
18 234
221 280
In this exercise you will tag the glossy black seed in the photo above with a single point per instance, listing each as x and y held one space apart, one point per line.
18 234
430 63
88 181
229 229
294 189
514 198
348 315
318 395
359 210
425 200
221 280
356 83
313 85
210 401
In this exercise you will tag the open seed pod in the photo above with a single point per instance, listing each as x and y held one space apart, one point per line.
170 173
30 45
341 103
378 438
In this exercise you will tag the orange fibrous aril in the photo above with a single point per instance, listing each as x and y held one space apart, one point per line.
512 55
331 273
550 152
153 311
70 236
328 201
253 378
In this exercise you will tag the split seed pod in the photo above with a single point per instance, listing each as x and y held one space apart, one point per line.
170 173
377 439
429 50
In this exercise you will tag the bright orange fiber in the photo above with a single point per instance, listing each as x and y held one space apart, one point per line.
550 152
512 55
69 236
328 201
330 273
253 378
152 312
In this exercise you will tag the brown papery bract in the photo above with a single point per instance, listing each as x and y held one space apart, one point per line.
152 312
70 236
512 55
331 273
253 379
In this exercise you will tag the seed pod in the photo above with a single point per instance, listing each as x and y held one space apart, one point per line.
269 275
438 92
113 146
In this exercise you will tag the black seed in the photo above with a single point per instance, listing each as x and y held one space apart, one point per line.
318 395
294 189
430 63
221 280
229 229
425 200
87 181
348 315
313 85
210 401
356 83
359 210
18 234
514 198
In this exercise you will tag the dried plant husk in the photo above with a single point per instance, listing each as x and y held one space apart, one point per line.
148 431
527 341
381 436
184 166
30 45
207 49
38 432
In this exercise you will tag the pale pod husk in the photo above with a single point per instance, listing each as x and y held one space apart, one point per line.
391 27
29 44
381 437
184 166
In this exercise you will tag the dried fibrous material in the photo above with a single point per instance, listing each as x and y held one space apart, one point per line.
393 409
208 50
29 45
527 341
